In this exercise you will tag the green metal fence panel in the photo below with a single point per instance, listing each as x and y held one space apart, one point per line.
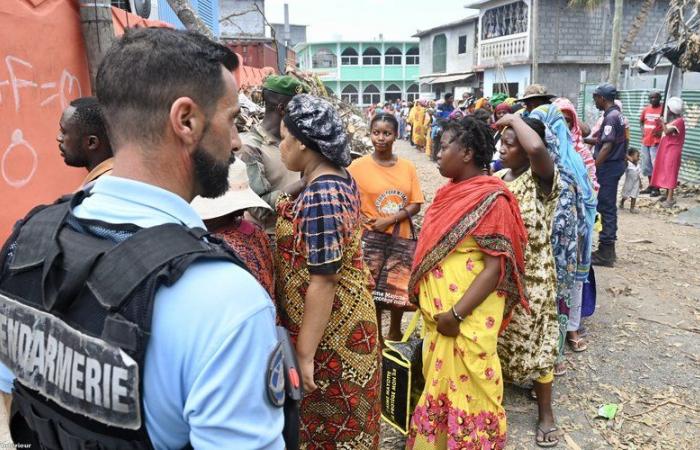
633 102
690 166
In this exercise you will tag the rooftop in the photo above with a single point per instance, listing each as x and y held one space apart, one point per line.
276 24
303 45
478 3
469 18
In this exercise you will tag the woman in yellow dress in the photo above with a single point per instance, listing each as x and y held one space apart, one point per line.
467 279
420 127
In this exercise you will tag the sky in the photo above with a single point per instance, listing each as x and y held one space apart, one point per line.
332 20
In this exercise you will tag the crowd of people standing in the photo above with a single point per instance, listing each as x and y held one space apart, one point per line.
170 267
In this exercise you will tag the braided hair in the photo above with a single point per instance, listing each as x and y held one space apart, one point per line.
473 134
385 117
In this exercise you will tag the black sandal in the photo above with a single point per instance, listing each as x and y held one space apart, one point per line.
545 442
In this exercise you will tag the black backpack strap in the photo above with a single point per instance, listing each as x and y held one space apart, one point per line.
36 235
123 268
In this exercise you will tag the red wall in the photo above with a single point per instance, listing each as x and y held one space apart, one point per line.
43 67
40 73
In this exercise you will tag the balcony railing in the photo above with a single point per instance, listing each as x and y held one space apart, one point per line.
506 49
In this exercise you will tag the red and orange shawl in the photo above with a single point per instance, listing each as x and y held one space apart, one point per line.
481 207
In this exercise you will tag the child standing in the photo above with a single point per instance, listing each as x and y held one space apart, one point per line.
633 180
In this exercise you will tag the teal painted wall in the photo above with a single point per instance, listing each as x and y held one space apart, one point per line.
380 75
393 72
412 72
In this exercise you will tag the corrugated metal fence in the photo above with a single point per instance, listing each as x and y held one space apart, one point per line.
633 101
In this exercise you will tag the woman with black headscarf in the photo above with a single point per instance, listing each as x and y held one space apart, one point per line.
323 295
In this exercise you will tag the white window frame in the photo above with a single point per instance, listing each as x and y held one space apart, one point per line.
349 60
371 60
350 97
412 60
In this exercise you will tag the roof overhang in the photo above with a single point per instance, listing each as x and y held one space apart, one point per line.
451 78
466 20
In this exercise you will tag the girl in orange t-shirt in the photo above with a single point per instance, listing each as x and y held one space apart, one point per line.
389 192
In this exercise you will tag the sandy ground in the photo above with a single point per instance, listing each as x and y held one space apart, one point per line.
643 342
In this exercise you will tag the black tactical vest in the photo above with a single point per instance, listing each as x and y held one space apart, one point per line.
76 299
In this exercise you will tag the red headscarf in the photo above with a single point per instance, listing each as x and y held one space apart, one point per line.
481 207
503 107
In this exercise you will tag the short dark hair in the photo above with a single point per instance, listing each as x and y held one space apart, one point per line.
536 125
88 117
147 69
385 117
448 96
482 115
475 134
632 151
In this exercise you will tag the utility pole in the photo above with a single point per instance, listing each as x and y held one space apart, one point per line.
98 34
534 26
614 76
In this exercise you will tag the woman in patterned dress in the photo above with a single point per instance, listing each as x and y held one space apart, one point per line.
322 283
528 347
467 276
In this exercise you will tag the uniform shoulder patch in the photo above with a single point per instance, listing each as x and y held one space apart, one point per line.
275 377
607 130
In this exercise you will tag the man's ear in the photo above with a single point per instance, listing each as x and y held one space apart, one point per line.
187 121
93 142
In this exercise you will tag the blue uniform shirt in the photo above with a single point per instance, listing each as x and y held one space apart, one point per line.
612 130
212 334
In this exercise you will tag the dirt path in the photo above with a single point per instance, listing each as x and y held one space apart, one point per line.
643 343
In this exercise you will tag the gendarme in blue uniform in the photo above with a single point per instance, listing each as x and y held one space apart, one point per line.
212 334
612 130
610 171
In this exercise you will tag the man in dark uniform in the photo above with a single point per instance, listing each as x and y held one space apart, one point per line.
123 323
610 164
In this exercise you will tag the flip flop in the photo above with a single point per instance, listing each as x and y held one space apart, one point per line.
577 345
545 442
559 370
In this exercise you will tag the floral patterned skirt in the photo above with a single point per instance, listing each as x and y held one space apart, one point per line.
461 404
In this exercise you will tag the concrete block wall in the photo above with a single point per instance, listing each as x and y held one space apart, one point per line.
565 32
564 79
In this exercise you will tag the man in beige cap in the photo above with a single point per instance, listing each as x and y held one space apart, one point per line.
535 95
267 174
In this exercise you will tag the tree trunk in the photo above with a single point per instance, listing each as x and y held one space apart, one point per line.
637 24
614 75
98 35
189 17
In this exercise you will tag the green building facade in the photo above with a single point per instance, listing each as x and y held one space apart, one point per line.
364 73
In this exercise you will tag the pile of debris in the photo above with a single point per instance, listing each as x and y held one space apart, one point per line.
356 125
251 113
